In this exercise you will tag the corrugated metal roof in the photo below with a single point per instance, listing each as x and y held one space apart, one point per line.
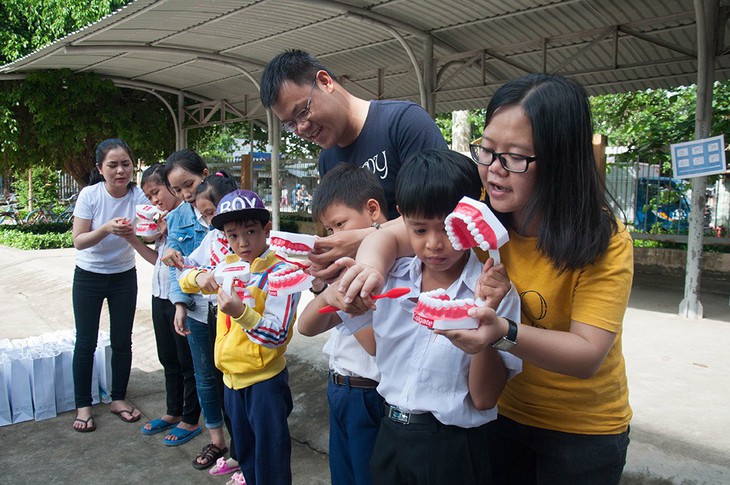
207 49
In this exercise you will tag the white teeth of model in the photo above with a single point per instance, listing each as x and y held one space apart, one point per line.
471 226
469 302
479 238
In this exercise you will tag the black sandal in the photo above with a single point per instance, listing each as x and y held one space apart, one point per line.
210 453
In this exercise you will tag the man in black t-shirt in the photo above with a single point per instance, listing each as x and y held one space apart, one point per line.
378 135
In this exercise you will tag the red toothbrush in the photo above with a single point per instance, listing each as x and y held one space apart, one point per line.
392 293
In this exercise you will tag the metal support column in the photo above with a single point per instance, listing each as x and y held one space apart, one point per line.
707 13
181 137
429 74
275 140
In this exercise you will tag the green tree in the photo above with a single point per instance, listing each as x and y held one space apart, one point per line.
647 122
28 25
55 119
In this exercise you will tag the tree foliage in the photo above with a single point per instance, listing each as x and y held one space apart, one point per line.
55 119
28 25
647 122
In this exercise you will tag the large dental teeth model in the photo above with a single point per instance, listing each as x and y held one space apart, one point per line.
291 243
289 279
473 224
435 310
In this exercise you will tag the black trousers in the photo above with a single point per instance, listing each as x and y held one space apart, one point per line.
88 293
432 454
174 354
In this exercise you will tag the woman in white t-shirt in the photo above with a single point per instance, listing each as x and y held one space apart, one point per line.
105 269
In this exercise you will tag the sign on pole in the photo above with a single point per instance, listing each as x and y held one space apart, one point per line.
699 157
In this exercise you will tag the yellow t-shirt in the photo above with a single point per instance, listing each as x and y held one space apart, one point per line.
596 295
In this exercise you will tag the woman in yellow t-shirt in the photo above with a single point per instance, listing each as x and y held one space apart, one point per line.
565 418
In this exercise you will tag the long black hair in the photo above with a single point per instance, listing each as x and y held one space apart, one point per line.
575 220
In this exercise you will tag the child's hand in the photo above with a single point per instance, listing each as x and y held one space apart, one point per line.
359 281
493 284
206 282
230 304
162 223
328 250
332 296
173 257
181 313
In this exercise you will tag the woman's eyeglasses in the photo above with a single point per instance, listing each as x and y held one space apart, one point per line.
512 162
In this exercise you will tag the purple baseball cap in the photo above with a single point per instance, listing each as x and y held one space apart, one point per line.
240 205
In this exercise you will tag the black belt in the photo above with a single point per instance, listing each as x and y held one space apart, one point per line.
402 417
353 381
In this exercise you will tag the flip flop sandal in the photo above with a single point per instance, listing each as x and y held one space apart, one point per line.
237 479
210 453
157 426
131 419
87 429
182 435
222 468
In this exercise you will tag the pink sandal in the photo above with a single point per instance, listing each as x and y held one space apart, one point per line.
237 479
222 468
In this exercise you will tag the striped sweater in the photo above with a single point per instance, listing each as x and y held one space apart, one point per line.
250 348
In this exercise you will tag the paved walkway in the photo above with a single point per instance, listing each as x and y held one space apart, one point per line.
679 378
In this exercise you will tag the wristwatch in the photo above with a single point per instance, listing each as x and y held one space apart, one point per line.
509 340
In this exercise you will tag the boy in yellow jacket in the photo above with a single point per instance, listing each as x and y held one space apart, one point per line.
251 341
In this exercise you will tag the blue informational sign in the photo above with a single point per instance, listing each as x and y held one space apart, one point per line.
699 158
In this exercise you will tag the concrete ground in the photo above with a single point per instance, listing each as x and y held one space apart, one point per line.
679 378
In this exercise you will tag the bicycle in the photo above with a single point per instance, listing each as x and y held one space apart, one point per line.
10 212
38 216
68 212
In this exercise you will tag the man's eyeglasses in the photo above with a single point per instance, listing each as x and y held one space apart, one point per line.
512 162
303 115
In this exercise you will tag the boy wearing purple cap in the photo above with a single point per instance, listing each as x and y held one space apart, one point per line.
250 342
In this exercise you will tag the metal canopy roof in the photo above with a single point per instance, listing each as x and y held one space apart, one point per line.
448 55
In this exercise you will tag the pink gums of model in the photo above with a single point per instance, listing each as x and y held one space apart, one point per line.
435 310
473 224
290 279
291 243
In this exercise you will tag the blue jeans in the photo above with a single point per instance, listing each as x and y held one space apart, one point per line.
523 455
204 365
88 293
260 430
355 416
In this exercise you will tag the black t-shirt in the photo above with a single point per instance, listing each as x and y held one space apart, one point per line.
393 132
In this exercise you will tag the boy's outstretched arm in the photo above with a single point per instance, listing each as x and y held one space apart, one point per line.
311 322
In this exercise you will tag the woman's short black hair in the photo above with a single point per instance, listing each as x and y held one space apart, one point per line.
431 183
569 200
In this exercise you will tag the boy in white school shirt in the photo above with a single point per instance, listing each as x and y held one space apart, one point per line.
438 398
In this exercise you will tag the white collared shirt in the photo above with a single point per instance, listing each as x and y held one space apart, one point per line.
420 371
